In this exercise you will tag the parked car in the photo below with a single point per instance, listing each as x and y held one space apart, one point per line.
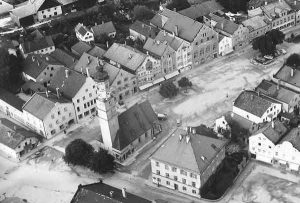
162 116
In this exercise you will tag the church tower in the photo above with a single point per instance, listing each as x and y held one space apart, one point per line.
107 112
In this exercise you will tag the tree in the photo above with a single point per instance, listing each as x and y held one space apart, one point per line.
168 89
178 5
102 161
184 82
293 60
83 4
235 6
78 152
142 13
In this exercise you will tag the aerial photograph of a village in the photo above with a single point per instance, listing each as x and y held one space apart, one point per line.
149 101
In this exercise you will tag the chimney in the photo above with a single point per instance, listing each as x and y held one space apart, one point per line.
295 3
111 194
147 52
266 3
67 73
38 63
95 23
57 92
87 72
47 58
164 33
15 127
73 59
102 22
124 192
272 124
143 25
33 58
258 93
194 131
187 138
176 30
251 96
107 44
222 25
81 69
8 134
292 72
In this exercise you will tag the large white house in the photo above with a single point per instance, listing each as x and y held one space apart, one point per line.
262 143
256 107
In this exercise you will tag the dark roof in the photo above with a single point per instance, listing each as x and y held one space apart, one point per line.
100 193
284 74
80 47
104 28
11 99
253 103
35 45
81 29
17 133
66 58
273 134
68 86
134 122
195 155
203 9
224 24
144 29
33 86
293 137
48 4
97 51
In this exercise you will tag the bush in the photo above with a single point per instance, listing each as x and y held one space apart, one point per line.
184 82
168 89
293 60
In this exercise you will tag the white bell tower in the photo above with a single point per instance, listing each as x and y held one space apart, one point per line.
107 112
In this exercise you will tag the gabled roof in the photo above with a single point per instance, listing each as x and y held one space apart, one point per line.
80 47
134 122
224 24
66 58
173 41
253 103
35 45
273 9
112 71
48 4
293 137
156 47
195 155
255 23
282 94
12 134
11 99
202 9
104 28
68 86
100 193
144 29
273 134
97 51
284 74
168 20
27 9
40 105
81 29
126 56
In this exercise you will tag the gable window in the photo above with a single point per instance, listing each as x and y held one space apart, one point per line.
174 169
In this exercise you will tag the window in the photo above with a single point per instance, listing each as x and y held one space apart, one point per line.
90 94
175 178
125 79
194 184
183 172
168 182
86 113
259 144
194 191
53 132
119 82
270 147
70 114
167 175
157 172
166 167
156 163
192 175
78 108
183 181
57 121
55 13
44 16
51 74
61 127
184 188
58 112
93 110
174 169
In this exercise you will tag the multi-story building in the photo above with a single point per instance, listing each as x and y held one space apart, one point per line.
262 143
257 26
80 89
83 33
225 45
142 31
50 8
5 7
288 77
201 39
237 32
129 59
107 28
256 107
48 113
186 161
44 45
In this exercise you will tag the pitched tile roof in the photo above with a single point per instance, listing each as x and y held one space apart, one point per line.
33 86
249 101
273 134
168 20
80 47
282 94
173 41
112 71
284 74
255 23
68 86
104 28
48 4
100 193
134 122
293 137
126 56
66 58
66 2
144 29
202 9
273 9
27 9
156 47
40 105
97 51
224 24
196 155
12 134
35 45
11 99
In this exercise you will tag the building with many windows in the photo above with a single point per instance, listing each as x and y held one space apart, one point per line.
185 161
50 8
44 45
257 26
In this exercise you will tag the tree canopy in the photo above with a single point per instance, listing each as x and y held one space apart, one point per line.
102 162
142 13
168 89
184 82
235 6
83 4
293 60
178 5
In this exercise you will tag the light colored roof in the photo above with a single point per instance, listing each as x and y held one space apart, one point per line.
104 28
156 47
40 105
253 103
284 74
196 155
202 9
27 9
224 24
255 12
270 89
144 29
273 9
126 56
273 134
173 41
112 71
168 20
255 23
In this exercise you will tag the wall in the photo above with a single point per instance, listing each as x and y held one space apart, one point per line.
88 37
262 147
184 56
285 153
284 21
225 46
48 73
48 13
146 75
11 111
136 35
11 153
246 115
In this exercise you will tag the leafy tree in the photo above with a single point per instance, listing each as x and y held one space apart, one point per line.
235 6
78 152
168 89
83 4
178 5
184 82
142 13
138 44
276 36
293 60
102 162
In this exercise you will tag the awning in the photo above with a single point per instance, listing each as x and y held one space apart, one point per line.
146 86
159 80
171 75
